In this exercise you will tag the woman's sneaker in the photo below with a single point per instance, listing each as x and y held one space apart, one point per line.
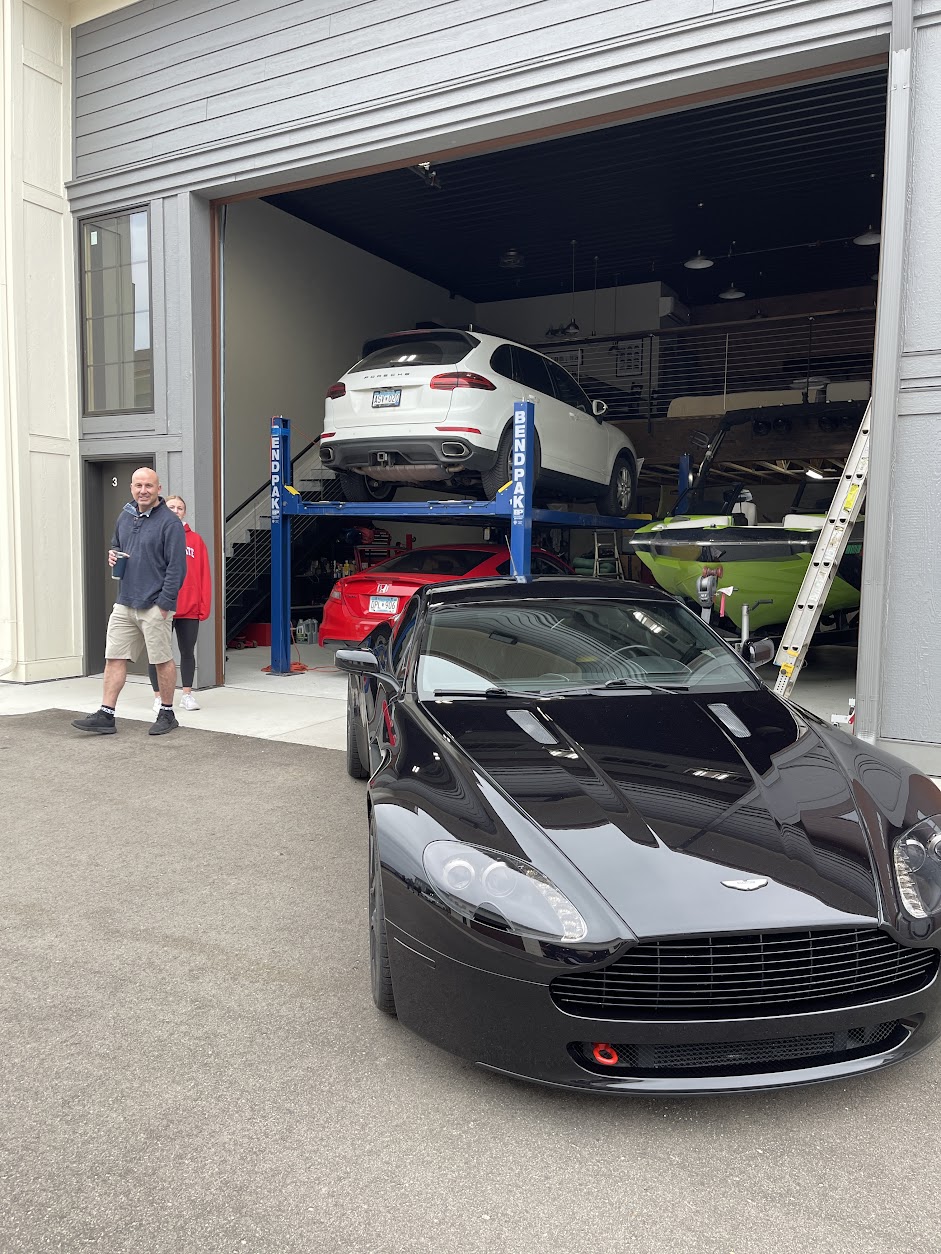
188 702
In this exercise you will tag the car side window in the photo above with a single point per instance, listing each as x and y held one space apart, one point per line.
502 361
540 564
398 651
532 371
567 390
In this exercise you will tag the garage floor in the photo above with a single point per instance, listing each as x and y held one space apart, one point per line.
191 1062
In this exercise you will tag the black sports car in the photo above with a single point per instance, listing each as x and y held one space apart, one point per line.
603 855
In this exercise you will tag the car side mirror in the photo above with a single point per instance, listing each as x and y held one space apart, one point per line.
759 652
599 408
357 662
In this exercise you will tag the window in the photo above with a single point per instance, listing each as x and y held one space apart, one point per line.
433 349
532 371
502 361
116 331
567 390
543 646
398 654
455 562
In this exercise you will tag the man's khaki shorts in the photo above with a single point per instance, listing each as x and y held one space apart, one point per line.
129 629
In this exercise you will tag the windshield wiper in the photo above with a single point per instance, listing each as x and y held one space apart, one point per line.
483 692
642 684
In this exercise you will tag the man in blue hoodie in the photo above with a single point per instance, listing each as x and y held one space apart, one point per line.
153 538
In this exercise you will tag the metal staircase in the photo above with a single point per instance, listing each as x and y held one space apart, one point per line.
248 542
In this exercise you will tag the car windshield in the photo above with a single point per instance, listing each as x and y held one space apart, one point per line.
455 562
584 645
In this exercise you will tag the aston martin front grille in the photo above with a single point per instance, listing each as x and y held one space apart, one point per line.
756 974
744 1057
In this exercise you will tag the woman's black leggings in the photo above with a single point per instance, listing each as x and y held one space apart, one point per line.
187 629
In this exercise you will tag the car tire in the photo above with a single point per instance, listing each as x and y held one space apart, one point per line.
617 501
501 471
361 488
380 973
354 763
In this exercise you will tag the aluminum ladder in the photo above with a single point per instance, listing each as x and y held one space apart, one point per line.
606 550
824 565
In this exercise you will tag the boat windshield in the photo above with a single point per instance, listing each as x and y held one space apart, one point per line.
599 646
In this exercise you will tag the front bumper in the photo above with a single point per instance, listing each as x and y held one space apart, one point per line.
511 1025
383 456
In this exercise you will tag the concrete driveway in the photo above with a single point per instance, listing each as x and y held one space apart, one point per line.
190 1060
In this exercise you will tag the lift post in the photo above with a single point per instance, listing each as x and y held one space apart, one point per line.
513 504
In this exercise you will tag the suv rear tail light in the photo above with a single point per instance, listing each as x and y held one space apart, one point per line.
335 391
461 379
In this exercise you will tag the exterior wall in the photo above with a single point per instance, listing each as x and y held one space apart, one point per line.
180 99
909 679
40 532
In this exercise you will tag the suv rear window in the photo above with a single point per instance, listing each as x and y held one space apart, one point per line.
455 562
434 349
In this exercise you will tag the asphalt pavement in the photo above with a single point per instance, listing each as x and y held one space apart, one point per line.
190 1060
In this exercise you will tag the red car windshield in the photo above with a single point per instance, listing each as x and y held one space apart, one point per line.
455 562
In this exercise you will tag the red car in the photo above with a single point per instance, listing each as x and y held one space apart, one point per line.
359 602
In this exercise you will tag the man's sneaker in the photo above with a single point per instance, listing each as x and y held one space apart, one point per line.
157 704
166 722
189 702
99 723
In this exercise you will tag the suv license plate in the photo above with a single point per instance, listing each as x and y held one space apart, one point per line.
383 605
386 398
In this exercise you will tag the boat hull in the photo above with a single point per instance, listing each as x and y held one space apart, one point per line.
761 563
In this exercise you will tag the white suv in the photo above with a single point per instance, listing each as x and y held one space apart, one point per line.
434 408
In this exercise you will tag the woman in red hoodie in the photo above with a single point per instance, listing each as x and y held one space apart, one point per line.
192 606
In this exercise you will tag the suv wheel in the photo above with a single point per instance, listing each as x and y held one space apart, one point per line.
618 499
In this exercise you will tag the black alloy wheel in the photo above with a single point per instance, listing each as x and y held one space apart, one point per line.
618 499
361 488
354 763
379 971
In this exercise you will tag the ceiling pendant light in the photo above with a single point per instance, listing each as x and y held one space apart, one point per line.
868 237
699 262
573 327
512 259
731 293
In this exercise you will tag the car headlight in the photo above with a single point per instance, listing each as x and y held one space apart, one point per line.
470 880
917 858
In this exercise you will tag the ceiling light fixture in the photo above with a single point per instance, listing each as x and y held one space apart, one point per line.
573 327
868 237
731 293
813 474
512 259
699 262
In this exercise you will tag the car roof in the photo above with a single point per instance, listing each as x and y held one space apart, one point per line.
481 546
556 587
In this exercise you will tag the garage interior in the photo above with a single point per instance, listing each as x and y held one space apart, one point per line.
680 266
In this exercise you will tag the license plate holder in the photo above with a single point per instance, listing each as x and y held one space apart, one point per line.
386 398
383 605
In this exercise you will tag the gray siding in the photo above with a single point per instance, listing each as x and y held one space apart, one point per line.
184 76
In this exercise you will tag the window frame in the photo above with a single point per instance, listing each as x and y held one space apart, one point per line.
82 224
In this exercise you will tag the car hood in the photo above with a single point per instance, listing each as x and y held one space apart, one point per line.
662 800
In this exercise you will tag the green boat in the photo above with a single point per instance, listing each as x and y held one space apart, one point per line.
764 563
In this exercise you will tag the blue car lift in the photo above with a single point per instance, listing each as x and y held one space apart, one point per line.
513 503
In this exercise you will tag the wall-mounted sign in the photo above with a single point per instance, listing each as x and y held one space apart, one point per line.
629 358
